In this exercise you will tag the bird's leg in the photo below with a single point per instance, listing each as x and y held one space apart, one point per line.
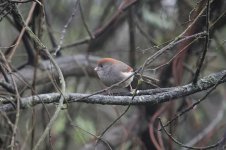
131 89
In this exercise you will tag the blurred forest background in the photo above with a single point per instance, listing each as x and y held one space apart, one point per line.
77 33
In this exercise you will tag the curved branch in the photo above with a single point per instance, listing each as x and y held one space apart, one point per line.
144 97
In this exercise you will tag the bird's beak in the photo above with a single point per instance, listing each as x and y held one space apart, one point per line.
96 68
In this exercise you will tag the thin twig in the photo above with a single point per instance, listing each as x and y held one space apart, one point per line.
120 116
196 103
3 71
132 42
97 137
209 128
185 146
144 33
66 27
43 49
22 31
12 144
169 61
201 60
55 115
123 6
84 22
170 45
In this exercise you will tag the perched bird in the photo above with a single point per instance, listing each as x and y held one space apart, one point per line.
112 71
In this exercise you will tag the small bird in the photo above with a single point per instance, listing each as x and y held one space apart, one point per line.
112 71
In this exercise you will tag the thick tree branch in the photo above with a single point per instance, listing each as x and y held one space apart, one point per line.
77 65
147 98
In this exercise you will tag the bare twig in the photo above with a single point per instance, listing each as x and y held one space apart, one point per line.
97 137
169 61
83 21
52 120
169 46
22 32
12 144
196 103
41 46
209 128
66 26
206 43
3 71
144 33
185 146
120 116
132 42
123 6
